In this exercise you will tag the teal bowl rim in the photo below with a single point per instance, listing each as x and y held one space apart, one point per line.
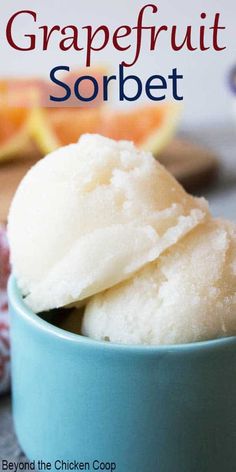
17 302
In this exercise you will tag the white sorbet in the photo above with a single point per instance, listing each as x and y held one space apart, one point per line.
91 214
188 294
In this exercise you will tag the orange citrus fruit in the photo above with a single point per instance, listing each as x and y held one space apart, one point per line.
15 134
149 127
24 128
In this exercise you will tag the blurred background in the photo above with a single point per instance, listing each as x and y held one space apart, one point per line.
198 144
207 118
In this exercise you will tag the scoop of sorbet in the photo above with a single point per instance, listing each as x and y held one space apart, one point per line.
89 215
187 295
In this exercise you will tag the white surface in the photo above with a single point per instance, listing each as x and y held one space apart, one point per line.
206 92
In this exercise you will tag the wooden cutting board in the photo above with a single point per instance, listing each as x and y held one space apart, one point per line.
192 165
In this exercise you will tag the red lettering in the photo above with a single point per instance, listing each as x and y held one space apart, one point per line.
202 35
10 27
73 40
118 34
186 40
47 32
68 37
154 35
139 28
216 29
91 37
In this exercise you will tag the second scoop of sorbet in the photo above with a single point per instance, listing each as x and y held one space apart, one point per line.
187 295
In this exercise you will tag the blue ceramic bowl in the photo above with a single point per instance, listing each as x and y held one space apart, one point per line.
123 408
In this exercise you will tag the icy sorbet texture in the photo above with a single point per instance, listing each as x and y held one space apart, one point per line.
102 224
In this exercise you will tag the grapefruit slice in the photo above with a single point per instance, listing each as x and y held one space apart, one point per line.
18 99
69 124
15 135
149 127
25 130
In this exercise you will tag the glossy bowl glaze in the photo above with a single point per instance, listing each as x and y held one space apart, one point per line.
140 408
